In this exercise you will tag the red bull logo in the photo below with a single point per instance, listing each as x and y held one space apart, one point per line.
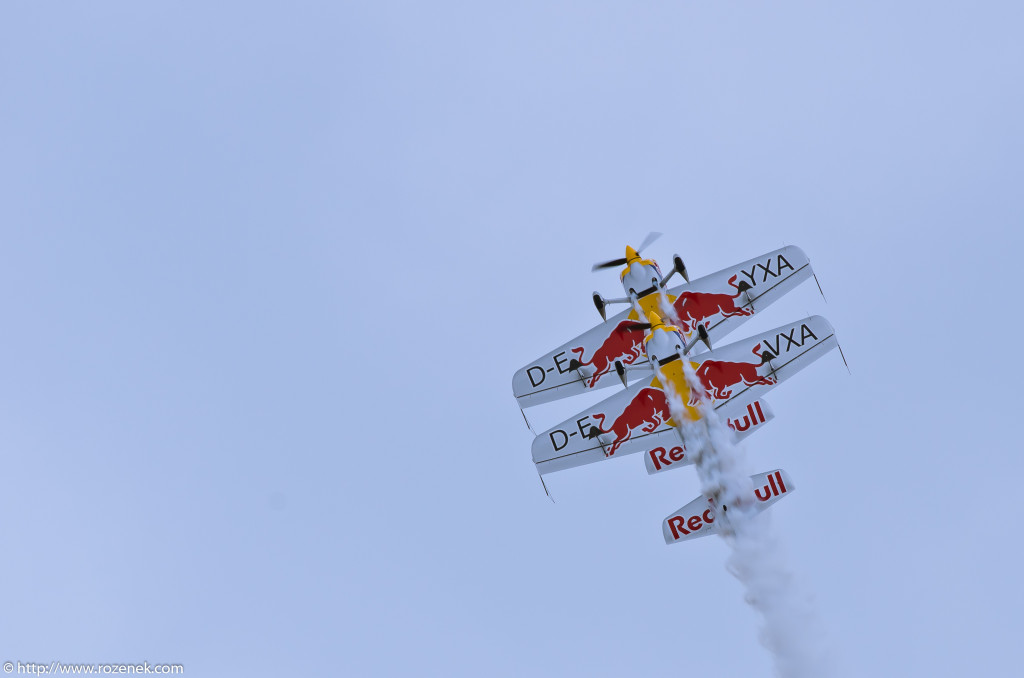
624 344
719 377
693 308
647 411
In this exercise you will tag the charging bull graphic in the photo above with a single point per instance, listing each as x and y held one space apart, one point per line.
647 411
693 308
622 344
719 377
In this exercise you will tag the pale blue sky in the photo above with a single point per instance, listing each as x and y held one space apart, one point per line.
266 273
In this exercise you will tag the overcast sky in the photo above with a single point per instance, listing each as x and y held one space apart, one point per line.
266 273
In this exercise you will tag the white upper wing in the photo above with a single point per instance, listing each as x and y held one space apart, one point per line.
721 302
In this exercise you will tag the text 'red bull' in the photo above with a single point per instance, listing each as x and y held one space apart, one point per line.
682 525
663 457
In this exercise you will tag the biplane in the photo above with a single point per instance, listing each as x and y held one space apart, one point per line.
664 350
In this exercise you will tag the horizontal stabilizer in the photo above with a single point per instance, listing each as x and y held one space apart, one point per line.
744 417
720 302
702 516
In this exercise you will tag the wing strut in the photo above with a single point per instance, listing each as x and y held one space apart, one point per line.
844 358
544 485
523 412
819 286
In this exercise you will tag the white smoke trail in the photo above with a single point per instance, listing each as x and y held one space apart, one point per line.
790 629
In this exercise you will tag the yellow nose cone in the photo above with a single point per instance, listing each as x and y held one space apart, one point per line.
631 255
655 320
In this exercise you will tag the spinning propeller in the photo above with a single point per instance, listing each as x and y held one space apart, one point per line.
648 266
630 253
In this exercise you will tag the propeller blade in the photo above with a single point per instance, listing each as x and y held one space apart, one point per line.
651 237
635 326
609 264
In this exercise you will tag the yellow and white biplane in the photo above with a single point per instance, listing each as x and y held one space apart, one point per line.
663 350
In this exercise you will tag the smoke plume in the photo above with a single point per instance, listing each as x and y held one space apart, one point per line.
789 629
